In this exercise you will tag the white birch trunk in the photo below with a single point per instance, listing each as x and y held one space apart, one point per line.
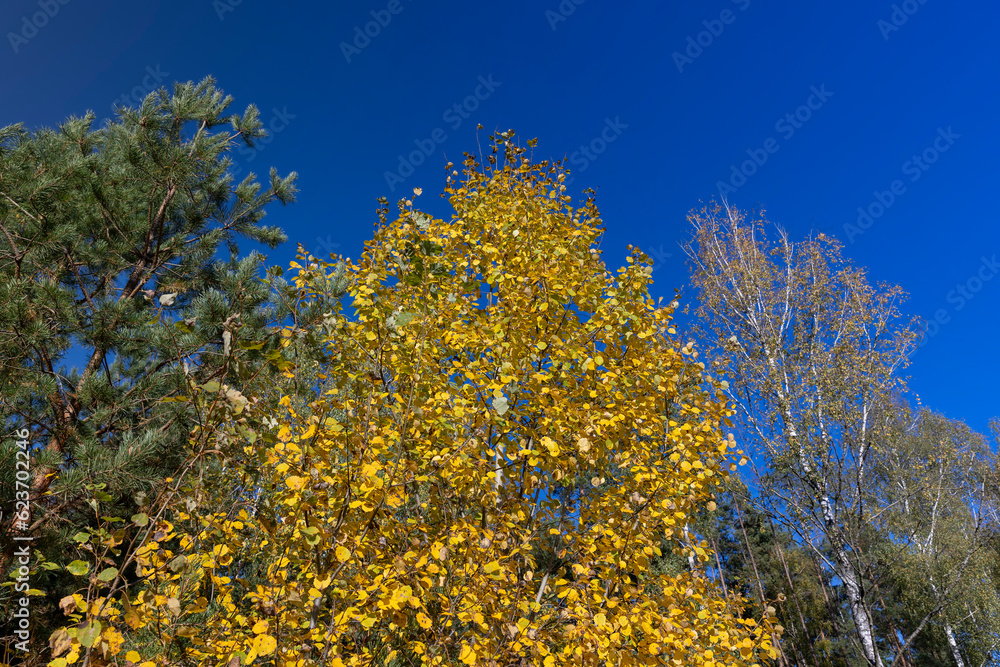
953 645
862 619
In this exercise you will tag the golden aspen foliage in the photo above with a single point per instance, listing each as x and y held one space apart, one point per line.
504 434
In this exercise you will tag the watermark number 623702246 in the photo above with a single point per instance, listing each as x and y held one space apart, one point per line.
21 522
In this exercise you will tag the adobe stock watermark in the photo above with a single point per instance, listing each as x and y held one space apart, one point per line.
21 619
562 12
901 13
381 18
587 153
696 44
914 168
787 126
327 245
660 257
31 24
959 297
223 7
152 81
279 121
455 116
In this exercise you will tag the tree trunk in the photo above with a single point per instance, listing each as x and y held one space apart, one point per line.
953 645
855 596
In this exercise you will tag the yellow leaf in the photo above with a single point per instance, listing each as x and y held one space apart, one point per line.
467 655
423 483
264 644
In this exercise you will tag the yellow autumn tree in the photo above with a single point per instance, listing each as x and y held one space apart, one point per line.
502 440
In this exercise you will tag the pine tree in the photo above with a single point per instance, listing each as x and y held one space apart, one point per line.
121 287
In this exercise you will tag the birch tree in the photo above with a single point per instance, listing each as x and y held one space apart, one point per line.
937 480
812 352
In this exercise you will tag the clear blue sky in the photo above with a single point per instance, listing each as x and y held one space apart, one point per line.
673 125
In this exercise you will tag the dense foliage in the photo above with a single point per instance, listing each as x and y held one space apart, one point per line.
475 444
504 435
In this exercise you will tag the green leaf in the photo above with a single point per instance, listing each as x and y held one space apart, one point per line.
421 220
88 635
78 567
108 574
103 497
404 318
211 387
251 346
140 519
430 248
82 538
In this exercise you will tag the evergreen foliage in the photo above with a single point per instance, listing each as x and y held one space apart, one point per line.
121 286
